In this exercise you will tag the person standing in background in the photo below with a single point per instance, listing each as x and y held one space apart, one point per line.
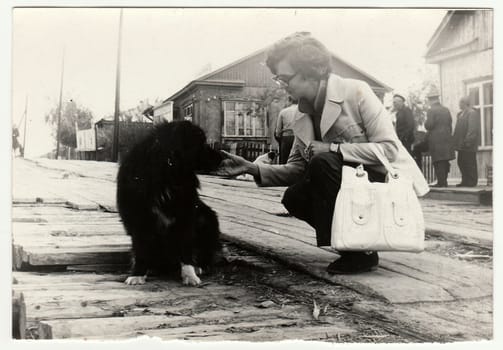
439 126
284 133
466 141
404 122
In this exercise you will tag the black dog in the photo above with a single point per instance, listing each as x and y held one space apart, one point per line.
159 205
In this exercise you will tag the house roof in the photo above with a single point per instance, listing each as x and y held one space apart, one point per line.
440 46
439 30
199 82
207 77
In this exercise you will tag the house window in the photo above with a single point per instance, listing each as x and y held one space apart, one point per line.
244 118
481 98
187 112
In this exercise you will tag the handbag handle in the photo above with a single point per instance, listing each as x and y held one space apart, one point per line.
377 149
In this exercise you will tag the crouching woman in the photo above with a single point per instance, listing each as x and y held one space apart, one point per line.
338 119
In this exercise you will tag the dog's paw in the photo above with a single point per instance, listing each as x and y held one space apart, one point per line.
134 280
189 276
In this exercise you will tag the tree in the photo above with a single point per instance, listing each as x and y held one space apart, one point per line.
71 114
417 94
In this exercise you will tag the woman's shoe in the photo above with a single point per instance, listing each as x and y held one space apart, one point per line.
354 262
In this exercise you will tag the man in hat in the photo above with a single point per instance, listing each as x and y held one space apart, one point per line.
466 140
404 122
439 126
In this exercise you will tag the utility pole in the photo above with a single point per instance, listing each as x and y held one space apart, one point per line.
25 122
60 102
115 144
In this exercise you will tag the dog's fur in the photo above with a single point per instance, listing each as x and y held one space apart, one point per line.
157 199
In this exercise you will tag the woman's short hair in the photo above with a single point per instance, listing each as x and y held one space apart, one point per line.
305 54
292 100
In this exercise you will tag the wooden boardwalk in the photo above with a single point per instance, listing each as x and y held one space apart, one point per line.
64 220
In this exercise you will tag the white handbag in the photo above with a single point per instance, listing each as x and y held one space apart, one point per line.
377 216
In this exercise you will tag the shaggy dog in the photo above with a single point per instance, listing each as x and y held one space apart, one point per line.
157 199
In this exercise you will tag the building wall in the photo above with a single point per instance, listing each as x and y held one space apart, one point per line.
163 113
253 71
455 74
208 112
484 28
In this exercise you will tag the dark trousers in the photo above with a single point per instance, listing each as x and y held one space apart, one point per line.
313 198
418 157
467 162
442 168
285 146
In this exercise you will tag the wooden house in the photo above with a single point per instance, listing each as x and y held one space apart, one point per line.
239 103
462 47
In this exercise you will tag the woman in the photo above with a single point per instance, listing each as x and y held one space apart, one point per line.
339 118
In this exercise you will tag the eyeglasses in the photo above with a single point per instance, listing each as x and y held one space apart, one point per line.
283 80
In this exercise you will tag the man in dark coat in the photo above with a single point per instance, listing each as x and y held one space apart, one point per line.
466 141
439 126
404 122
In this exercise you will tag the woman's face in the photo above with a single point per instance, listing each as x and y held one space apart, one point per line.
294 83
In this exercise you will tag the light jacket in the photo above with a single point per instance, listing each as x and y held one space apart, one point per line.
353 116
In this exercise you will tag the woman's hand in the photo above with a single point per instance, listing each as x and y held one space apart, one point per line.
315 148
234 165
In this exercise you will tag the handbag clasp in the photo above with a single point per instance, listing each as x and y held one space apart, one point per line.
360 171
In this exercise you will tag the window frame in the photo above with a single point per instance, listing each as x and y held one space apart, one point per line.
481 109
251 122
185 116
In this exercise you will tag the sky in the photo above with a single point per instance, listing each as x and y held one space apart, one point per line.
164 49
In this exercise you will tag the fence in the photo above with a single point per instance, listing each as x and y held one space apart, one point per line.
427 168
247 149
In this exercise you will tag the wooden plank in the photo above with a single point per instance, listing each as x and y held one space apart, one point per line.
35 279
53 211
95 169
63 242
72 229
82 218
388 285
265 330
80 192
18 316
271 194
254 216
26 258
331 333
460 279
108 328
236 198
449 321
132 301
485 238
